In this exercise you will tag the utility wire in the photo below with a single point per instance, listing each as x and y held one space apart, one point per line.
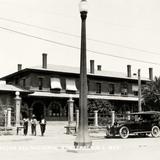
77 36
70 46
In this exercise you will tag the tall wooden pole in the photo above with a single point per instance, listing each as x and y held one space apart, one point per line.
139 91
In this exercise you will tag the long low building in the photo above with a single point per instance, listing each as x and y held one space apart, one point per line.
49 88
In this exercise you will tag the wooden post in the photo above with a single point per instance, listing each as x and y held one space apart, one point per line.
9 117
112 117
96 118
77 120
139 91
70 111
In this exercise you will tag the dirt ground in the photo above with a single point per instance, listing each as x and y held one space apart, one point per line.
58 145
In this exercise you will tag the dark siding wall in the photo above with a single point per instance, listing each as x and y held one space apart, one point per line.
32 82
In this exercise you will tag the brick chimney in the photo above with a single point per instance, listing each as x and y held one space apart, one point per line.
99 67
92 66
128 70
19 67
151 74
44 60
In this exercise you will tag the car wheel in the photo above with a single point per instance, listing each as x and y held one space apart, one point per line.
124 132
155 131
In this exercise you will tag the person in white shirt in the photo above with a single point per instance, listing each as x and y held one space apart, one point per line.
42 125
33 125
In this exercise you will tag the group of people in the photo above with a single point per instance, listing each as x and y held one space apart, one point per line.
34 123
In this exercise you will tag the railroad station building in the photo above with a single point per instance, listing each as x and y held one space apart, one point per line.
46 89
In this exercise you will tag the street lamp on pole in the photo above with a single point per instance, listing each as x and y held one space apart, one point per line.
83 139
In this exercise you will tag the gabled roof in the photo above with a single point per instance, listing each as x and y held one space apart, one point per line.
76 70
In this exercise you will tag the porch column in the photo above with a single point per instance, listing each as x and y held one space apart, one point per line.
96 118
77 120
70 111
9 117
18 107
112 117
5 118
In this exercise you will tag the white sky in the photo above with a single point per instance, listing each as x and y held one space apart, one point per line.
131 23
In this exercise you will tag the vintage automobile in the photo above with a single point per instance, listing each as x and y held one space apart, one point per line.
139 123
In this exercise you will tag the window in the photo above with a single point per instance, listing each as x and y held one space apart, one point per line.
71 85
98 88
24 82
111 88
135 93
16 81
55 83
124 91
135 89
124 88
40 83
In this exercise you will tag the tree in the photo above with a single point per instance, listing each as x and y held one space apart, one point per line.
151 95
103 107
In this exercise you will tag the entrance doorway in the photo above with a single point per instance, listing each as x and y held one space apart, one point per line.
57 112
38 109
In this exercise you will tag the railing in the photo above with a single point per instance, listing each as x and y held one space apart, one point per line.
102 119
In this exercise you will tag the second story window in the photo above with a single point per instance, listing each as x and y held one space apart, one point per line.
24 82
56 84
111 89
124 88
135 89
98 88
40 83
71 85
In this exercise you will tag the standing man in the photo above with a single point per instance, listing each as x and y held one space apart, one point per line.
33 125
25 125
42 125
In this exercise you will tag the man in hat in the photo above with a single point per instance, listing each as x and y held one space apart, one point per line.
33 125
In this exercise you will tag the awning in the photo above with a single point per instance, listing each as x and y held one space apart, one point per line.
71 85
66 95
55 83
134 87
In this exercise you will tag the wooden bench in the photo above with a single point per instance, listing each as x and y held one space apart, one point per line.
69 128
19 128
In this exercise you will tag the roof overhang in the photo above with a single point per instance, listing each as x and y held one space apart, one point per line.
66 95
11 88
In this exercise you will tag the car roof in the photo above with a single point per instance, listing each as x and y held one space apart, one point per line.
145 113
